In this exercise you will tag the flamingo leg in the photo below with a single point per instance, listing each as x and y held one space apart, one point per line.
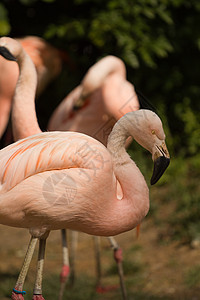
74 242
37 292
118 258
65 268
98 262
18 292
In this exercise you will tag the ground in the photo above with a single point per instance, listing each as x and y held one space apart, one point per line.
155 267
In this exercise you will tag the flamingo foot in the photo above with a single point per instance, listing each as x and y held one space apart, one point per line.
17 294
38 297
64 273
102 289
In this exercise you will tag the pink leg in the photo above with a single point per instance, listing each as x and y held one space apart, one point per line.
99 287
65 268
98 263
74 242
118 258
18 292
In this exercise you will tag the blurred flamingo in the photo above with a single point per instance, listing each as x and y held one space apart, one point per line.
102 98
36 173
93 108
48 62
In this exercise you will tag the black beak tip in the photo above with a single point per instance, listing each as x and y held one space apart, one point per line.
160 165
6 54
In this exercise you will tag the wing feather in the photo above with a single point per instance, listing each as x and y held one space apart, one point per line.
44 152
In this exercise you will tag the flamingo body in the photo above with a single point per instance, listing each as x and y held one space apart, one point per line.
32 167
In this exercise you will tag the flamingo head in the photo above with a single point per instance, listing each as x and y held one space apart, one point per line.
9 48
148 131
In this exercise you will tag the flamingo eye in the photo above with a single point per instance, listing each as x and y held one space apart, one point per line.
153 132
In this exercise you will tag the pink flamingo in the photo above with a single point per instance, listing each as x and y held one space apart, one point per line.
93 108
102 98
48 62
49 181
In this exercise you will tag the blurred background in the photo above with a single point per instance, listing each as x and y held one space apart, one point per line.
159 41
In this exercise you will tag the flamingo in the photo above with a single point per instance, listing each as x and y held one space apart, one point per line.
93 107
49 180
48 62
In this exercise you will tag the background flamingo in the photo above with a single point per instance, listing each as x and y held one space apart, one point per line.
103 97
28 164
93 108
48 62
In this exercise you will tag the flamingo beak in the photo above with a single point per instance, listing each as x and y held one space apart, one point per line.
6 54
161 160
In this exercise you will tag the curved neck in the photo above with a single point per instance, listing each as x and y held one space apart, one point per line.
24 119
98 73
117 140
134 199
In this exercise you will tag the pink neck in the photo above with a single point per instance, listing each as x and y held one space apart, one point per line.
133 204
24 117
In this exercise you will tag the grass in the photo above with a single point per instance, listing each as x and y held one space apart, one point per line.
84 289
192 277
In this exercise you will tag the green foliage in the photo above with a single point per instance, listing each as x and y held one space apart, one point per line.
128 27
191 125
4 22
119 26
184 192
